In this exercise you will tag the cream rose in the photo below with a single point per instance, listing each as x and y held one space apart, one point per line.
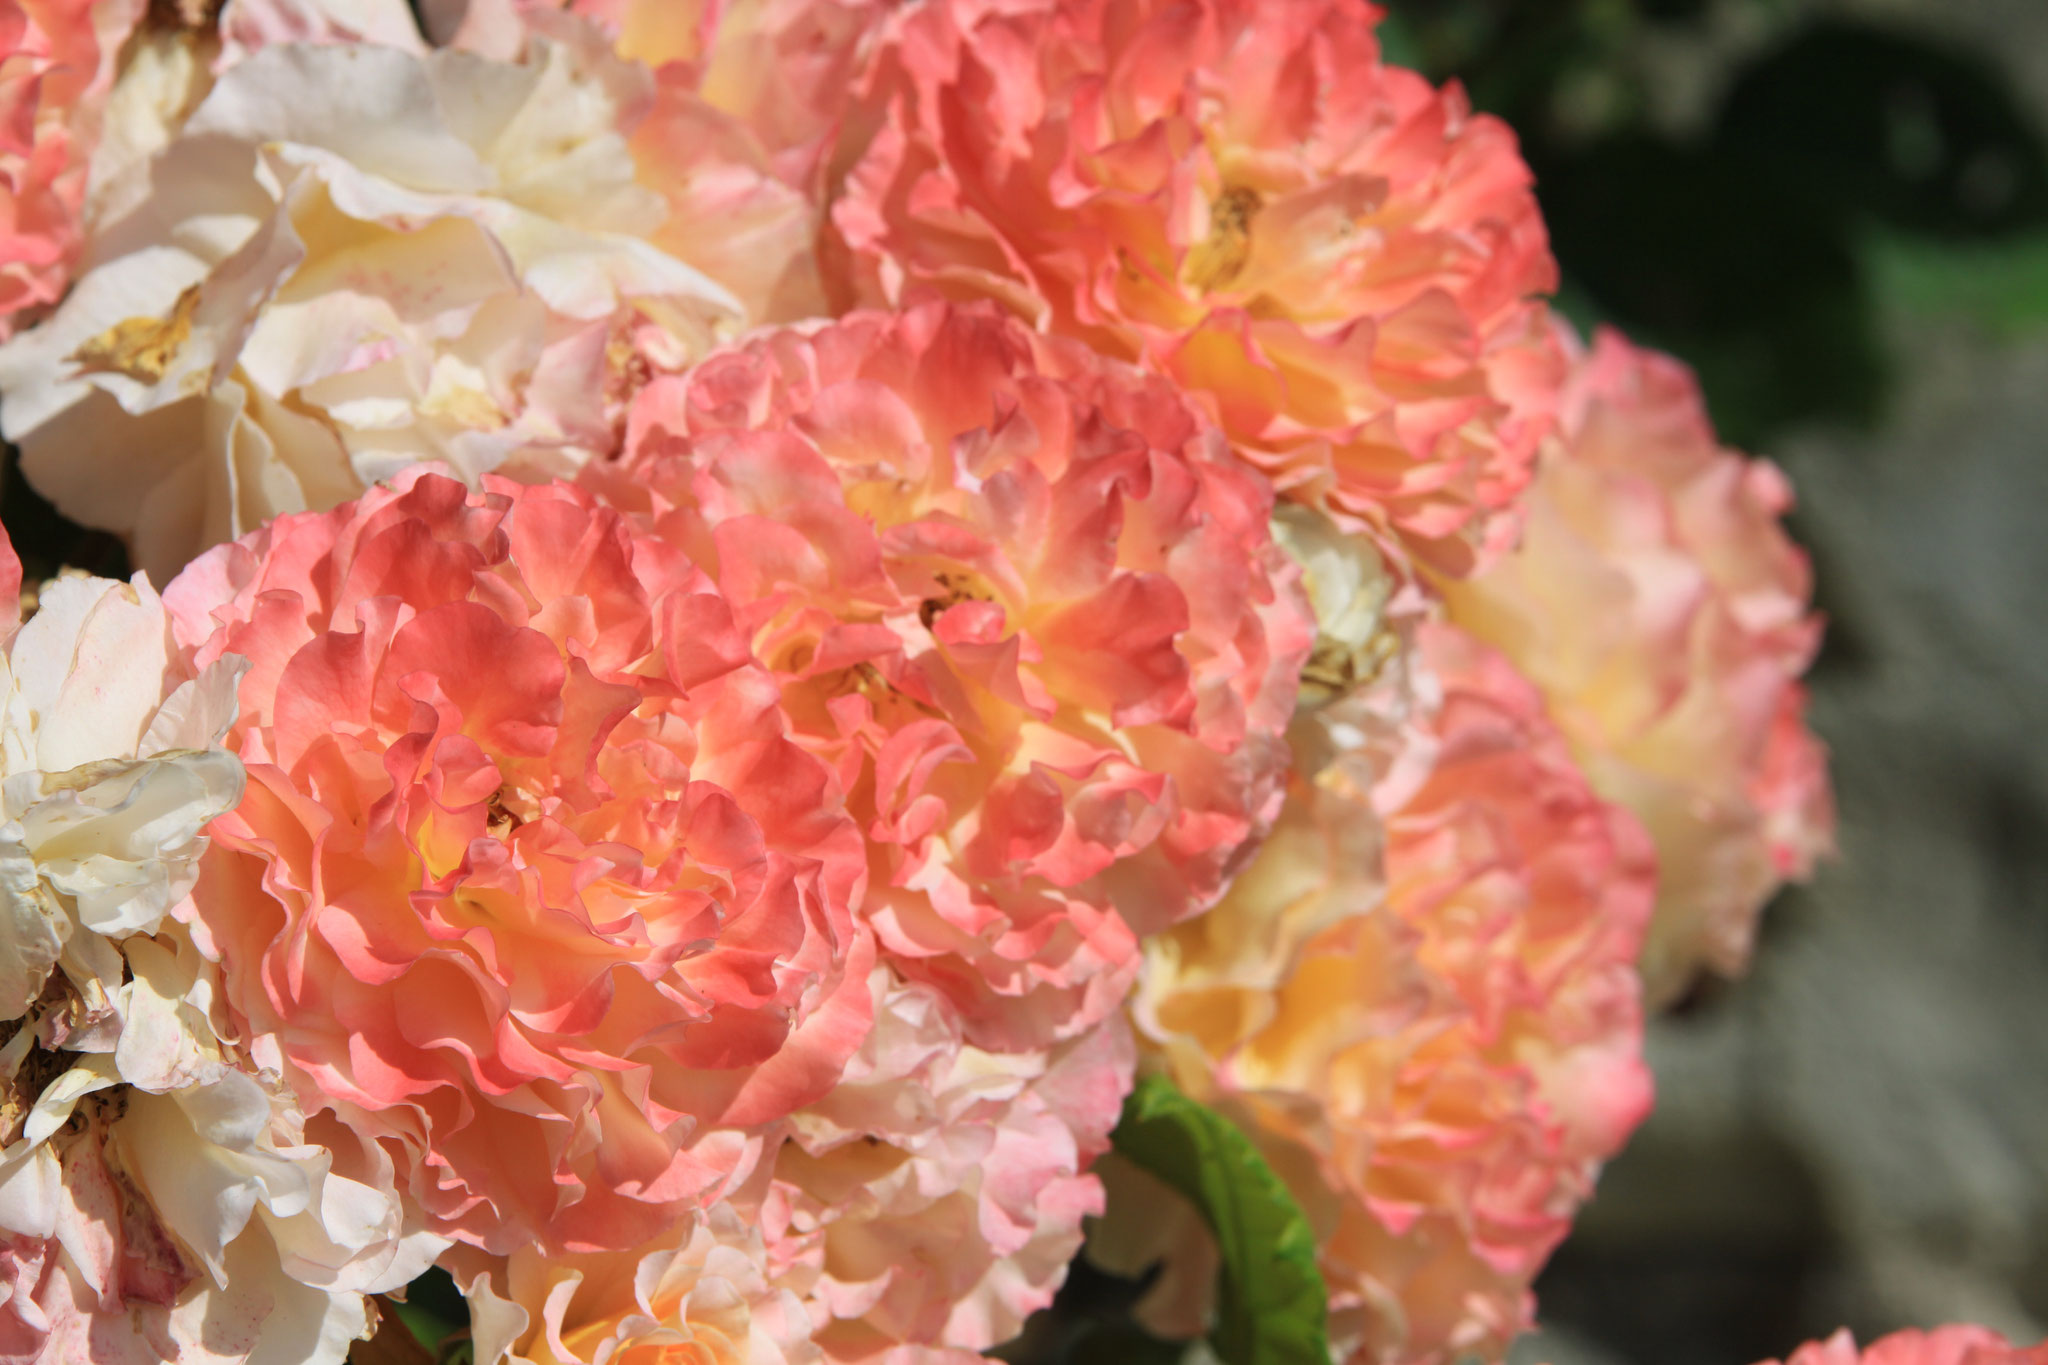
348 259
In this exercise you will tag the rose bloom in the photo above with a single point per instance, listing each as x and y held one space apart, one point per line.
531 885
249 26
1339 259
935 1197
1429 1022
701 1297
930 1201
171 60
56 67
1659 606
160 1197
346 259
748 94
1026 605
1955 1345
780 67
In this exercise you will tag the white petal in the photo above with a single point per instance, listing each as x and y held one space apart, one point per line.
33 927
248 26
165 1044
199 711
61 1096
29 1188
374 106
91 666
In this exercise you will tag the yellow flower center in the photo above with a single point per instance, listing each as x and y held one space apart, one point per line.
141 348
1220 257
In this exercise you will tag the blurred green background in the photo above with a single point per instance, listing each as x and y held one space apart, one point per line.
1837 211
1758 184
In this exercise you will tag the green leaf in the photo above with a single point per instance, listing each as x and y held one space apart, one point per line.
2001 287
433 1311
1272 1307
1398 43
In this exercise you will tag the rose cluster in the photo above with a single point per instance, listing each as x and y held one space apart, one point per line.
746 609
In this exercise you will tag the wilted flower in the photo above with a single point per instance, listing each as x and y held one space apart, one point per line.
160 1198
1339 259
530 885
1026 605
1373 699
1955 1345
348 259
1658 604
56 67
1430 1024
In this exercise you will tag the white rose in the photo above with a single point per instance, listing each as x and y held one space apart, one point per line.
348 259
162 1197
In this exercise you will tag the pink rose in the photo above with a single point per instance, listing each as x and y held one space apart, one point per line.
1658 604
531 884
935 1197
701 1294
1431 1025
928 1203
748 97
1025 605
1340 260
162 1197
56 67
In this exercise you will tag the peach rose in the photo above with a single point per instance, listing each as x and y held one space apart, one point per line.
748 94
703 1296
347 259
781 68
1029 609
934 1198
928 1203
1955 1345
161 1197
1430 1024
1658 604
532 885
1341 261
56 66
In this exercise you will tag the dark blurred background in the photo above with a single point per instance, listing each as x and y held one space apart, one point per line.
1837 211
